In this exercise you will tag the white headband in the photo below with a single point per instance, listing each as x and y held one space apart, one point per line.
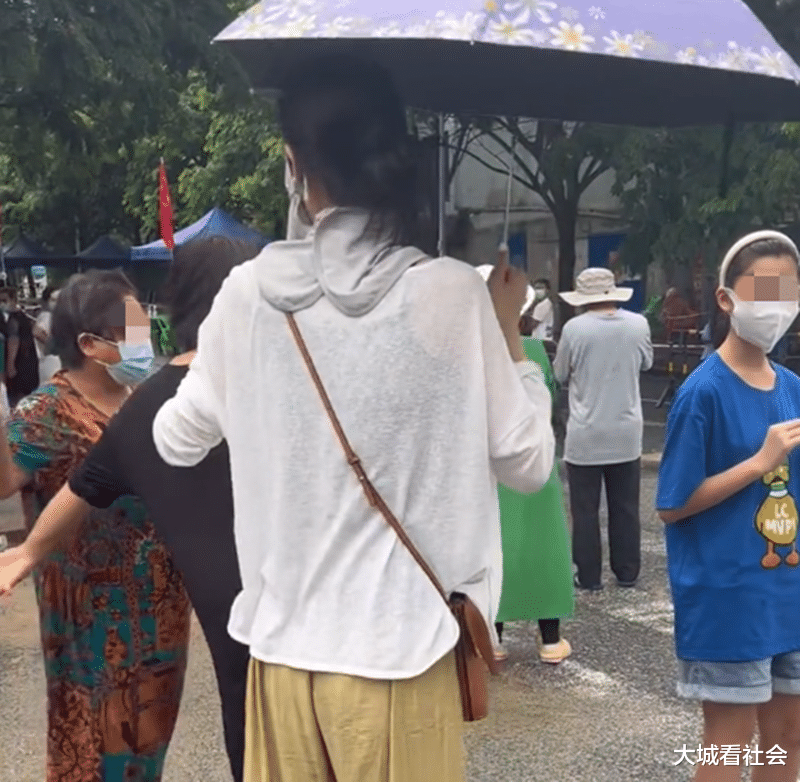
746 241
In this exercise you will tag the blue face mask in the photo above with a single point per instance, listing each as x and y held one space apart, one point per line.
135 364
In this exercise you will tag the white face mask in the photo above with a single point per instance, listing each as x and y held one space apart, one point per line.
539 293
299 224
762 323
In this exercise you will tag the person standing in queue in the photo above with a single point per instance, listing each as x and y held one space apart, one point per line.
113 611
601 354
542 312
537 567
22 362
352 672
728 494
537 572
49 363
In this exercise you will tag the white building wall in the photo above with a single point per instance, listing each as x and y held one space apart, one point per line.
477 187
482 192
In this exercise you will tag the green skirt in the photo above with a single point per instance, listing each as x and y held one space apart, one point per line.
537 558
537 563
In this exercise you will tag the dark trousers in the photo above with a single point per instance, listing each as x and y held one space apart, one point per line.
211 574
231 660
624 531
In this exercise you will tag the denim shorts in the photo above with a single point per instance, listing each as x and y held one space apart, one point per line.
754 681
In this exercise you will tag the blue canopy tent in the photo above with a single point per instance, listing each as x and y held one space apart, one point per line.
216 223
104 253
25 252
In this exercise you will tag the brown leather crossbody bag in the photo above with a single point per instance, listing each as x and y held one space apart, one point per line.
474 652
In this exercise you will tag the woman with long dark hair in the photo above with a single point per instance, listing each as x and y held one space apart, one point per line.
352 673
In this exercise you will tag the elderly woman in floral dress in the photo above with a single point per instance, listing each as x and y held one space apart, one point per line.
113 611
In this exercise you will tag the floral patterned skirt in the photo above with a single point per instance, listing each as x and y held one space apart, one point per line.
115 634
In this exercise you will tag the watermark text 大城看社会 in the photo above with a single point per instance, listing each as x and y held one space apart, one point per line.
730 755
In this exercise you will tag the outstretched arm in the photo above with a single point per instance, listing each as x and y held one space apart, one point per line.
190 424
61 518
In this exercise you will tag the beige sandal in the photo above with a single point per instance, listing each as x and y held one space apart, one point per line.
556 653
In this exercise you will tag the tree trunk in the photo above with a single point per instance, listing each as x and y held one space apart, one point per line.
566 221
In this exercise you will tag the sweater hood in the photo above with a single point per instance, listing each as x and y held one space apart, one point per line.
338 260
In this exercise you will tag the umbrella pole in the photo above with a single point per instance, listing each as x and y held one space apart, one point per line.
507 219
442 185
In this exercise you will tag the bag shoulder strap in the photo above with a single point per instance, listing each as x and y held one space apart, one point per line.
373 497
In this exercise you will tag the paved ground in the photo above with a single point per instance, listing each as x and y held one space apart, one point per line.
10 514
608 713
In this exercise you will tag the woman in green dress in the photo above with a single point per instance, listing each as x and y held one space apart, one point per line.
537 559
537 567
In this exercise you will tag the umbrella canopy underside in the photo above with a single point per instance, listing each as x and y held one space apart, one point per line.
678 63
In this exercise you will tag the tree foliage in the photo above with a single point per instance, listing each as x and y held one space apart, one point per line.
685 200
220 153
559 161
687 193
563 160
93 94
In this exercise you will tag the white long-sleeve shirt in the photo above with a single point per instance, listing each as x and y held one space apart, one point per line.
429 398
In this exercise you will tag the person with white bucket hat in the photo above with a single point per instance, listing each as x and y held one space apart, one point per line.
601 354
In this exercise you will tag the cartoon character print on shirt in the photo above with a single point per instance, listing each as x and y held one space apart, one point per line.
776 519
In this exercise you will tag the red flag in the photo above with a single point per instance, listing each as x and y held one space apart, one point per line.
165 207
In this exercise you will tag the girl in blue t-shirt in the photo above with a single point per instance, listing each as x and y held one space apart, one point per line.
728 492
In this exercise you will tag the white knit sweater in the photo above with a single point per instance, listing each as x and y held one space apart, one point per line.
431 401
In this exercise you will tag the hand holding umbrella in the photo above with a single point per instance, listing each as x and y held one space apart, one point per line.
508 288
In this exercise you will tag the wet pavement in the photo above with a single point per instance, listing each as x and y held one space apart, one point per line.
608 713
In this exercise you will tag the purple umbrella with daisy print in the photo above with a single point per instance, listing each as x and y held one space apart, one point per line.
682 62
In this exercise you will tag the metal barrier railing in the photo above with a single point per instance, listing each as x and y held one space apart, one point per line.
678 357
